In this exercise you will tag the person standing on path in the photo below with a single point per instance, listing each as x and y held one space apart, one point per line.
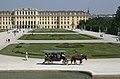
26 55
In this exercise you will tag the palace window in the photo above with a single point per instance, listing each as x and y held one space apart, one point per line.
23 13
34 22
17 22
64 22
31 12
28 22
26 12
45 22
67 26
64 26
17 12
31 22
68 22
51 22
20 22
34 12
23 22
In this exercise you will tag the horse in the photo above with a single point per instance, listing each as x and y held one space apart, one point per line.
78 57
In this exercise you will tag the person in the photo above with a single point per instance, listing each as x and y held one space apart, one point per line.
117 39
62 55
58 55
26 56
8 40
46 55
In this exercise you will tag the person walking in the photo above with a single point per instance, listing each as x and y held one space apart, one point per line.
26 56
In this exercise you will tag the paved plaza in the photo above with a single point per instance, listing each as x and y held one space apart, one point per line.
95 66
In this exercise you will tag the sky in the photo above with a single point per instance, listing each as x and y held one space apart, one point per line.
95 6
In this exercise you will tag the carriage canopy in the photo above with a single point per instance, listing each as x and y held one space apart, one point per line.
53 51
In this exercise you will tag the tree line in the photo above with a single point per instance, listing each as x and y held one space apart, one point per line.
109 25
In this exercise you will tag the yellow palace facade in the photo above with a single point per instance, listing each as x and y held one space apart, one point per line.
34 18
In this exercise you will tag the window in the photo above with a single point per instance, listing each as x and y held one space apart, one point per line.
34 22
26 12
51 22
17 22
45 22
34 12
29 13
28 22
17 12
23 13
64 22
25 22
64 26
31 22
68 26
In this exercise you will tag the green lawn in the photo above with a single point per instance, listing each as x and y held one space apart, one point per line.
51 31
2 30
56 37
96 50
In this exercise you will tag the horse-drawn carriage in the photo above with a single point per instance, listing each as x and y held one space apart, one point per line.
58 55
55 55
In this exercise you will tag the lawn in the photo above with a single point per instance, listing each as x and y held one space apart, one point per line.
51 31
95 50
2 30
56 37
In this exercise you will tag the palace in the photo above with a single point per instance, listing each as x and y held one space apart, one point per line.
34 18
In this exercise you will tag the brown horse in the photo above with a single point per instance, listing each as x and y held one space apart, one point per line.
78 57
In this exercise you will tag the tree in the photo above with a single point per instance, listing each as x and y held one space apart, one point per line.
117 17
81 24
115 26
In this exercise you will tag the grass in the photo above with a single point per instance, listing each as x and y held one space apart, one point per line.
2 30
56 37
96 50
51 31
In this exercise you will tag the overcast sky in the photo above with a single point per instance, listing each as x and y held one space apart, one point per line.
95 6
